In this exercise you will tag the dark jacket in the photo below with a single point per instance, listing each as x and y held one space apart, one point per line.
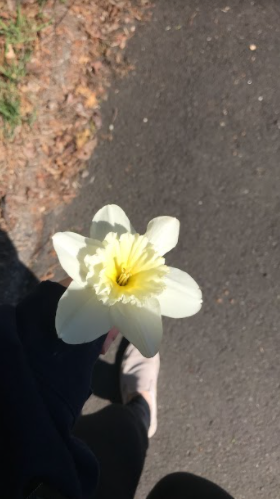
43 386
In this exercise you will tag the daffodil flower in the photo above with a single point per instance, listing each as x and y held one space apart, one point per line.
120 280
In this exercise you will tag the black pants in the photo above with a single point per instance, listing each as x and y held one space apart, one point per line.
118 437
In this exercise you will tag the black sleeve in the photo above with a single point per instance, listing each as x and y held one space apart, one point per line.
40 398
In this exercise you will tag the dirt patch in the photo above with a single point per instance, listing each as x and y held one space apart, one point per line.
66 77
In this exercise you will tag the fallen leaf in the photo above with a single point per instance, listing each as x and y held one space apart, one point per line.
84 59
82 137
86 152
32 86
97 66
4 15
81 111
29 150
25 106
82 90
97 120
10 55
51 170
91 101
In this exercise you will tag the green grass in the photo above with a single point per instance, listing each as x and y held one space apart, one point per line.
10 111
21 30
19 34
15 71
42 3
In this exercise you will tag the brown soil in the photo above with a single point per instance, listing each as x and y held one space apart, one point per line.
67 78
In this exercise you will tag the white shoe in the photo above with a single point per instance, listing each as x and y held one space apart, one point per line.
138 375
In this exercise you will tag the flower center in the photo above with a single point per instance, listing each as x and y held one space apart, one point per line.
127 268
124 276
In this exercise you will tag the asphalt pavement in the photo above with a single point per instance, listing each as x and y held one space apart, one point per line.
196 135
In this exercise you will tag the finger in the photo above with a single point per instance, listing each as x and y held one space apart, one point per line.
111 336
66 282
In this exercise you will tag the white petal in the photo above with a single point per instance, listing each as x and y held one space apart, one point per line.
110 218
80 317
71 249
163 233
142 326
182 296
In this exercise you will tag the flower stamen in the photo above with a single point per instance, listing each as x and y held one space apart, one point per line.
124 276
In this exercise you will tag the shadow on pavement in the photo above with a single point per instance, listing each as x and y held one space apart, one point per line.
105 378
16 280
